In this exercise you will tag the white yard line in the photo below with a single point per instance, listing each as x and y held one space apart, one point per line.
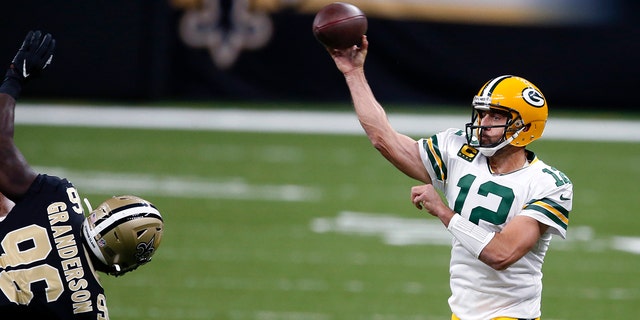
183 187
399 231
418 125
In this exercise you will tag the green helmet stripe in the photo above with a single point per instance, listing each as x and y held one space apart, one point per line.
491 85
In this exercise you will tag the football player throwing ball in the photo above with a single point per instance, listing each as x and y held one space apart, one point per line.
504 203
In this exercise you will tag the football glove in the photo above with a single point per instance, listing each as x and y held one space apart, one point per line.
35 54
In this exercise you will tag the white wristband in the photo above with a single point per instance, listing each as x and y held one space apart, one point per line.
472 237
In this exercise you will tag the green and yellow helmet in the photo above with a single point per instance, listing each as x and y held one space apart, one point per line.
123 233
520 100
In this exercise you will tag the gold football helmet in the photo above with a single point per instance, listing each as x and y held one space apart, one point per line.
123 233
522 103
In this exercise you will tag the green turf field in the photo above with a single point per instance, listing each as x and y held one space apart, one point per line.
253 228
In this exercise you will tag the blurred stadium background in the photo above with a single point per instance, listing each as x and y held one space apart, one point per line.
291 224
583 53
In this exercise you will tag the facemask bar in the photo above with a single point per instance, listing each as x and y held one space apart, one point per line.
473 129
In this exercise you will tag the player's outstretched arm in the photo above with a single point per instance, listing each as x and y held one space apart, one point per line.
402 151
34 55
15 174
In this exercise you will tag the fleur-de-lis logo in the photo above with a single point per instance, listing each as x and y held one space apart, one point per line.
144 250
225 30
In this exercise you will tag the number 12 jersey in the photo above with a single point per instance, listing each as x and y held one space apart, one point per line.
491 200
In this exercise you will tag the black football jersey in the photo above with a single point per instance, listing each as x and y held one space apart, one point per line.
45 272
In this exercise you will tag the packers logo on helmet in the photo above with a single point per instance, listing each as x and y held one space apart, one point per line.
123 233
522 102
533 97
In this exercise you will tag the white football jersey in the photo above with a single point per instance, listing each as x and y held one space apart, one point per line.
491 200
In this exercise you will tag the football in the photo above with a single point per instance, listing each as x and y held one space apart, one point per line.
340 25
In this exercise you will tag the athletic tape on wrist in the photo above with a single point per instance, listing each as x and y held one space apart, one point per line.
472 237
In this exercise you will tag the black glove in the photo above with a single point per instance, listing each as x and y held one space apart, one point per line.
35 54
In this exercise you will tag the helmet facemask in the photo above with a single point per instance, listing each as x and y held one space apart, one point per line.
511 129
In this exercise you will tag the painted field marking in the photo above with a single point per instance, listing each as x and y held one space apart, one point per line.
319 122
182 187
399 231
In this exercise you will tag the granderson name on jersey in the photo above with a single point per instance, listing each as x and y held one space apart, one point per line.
44 270
491 200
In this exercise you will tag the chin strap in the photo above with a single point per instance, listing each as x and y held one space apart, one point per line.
490 151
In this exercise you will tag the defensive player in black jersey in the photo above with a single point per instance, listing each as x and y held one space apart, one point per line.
49 250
